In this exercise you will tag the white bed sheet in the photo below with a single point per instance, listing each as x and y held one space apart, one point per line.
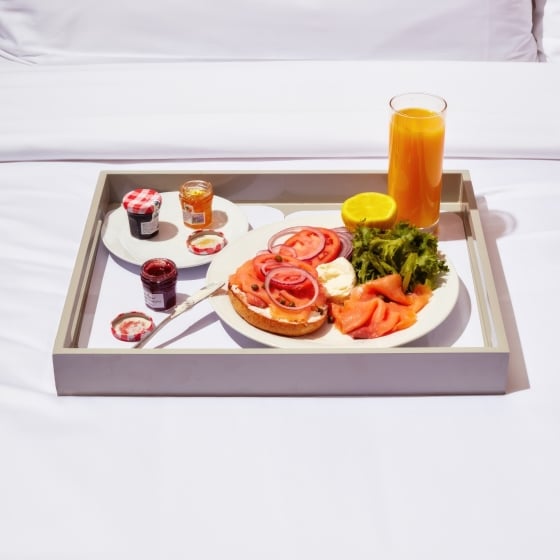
397 478
275 478
269 109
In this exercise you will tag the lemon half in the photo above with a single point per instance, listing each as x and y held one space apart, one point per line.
372 209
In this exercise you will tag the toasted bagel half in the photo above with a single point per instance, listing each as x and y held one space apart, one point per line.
262 319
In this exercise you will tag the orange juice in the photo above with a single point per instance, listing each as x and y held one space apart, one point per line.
416 161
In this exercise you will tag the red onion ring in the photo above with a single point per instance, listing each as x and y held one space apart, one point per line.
293 275
343 232
342 229
270 264
346 246
269 281
281 249
297 229
346 241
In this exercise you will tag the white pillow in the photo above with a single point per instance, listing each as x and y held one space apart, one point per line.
55 31
551 30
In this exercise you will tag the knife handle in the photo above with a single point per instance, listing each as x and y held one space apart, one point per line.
142 342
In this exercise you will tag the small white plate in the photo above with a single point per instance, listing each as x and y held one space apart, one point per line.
441 304
171 241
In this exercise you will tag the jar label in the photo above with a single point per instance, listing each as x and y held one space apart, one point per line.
147 228
155 301
192 217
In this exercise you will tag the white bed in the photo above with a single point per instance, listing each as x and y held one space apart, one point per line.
194 88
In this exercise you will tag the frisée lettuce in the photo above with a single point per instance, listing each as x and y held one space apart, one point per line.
403 249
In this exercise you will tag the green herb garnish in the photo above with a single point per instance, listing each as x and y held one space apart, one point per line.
403 249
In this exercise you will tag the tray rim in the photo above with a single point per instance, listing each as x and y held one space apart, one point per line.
66 355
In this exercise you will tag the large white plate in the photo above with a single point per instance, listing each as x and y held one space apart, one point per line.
170 242
226 262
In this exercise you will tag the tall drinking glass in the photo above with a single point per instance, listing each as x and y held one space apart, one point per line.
416 141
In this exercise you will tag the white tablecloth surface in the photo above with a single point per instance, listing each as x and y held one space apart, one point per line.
207 478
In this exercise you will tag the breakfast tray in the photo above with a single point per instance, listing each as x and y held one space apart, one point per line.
467 353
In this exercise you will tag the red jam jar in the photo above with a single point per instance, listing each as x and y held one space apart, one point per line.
159 278
142 207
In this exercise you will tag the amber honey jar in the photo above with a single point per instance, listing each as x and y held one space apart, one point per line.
196 203
159 279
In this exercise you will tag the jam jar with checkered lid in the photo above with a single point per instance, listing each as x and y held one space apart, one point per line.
142 207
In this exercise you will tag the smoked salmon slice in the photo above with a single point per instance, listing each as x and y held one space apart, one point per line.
389 286
420 297
379 307
353 313
383 321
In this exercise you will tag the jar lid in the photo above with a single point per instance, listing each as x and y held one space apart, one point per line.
132 326
142 201
158 269
206 242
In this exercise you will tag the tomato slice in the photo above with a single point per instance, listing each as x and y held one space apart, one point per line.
265 262
306 242
292 286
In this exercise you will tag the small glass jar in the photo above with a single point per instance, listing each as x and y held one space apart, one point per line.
159 278
196 203
142 207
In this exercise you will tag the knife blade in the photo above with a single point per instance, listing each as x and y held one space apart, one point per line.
189 303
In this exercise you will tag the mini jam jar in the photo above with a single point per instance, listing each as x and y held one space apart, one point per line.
142 207
159 279
196 197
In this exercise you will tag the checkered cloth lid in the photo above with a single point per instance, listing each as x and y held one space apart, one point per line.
142 201
132 326
206 242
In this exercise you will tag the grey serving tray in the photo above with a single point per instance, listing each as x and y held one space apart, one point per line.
423 367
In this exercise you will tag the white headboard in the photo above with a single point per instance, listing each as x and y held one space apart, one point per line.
76 31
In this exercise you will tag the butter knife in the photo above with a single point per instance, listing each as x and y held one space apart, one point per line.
189 303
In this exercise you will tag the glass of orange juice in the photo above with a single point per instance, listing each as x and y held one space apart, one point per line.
416 141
